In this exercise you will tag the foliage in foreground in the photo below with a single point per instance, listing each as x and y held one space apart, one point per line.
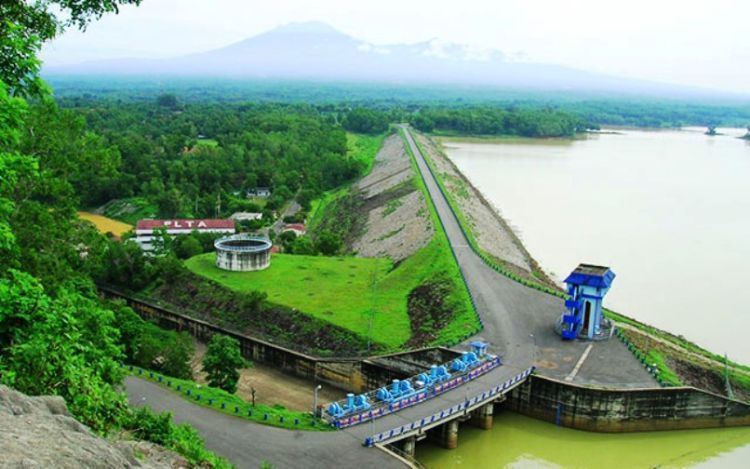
56 335
144 424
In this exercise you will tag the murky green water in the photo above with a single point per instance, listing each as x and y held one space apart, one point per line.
521 442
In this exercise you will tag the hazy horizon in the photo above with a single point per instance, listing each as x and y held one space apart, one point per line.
668 41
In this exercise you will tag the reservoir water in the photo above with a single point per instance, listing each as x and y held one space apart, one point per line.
669 211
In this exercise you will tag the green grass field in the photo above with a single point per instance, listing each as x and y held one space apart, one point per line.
347 290
207 142
341 290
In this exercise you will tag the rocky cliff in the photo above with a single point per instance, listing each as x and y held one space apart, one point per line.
40 432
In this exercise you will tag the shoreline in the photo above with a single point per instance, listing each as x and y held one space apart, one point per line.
684 350
495 213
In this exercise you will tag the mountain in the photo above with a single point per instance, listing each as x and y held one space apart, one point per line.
316 51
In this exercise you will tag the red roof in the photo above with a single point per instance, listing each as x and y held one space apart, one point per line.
295 227
196 224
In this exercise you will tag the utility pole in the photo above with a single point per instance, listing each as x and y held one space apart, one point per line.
315 400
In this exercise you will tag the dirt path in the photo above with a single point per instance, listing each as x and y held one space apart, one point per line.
271 385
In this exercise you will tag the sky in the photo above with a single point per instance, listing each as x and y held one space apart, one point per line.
687 42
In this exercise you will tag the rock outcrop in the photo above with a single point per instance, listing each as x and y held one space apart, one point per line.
39 432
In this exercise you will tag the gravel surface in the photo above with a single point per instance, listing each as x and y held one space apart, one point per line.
492 233
398 223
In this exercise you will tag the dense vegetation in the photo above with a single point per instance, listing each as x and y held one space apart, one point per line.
57 336
156 153
612 109
498 121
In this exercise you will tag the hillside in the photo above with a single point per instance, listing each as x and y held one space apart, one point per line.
398 286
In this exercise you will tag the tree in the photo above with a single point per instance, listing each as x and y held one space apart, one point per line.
222 362
187 246
25 25
365 121
168 101
328 243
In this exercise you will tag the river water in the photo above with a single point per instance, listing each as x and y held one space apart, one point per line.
669 212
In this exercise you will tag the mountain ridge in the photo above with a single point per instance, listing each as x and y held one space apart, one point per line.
317 51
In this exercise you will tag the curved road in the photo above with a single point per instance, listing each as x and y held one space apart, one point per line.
517 324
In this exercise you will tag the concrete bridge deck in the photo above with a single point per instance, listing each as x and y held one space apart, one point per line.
518 325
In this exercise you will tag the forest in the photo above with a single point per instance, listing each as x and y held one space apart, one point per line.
595 108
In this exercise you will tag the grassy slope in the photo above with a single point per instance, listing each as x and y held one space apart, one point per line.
345 290
341 290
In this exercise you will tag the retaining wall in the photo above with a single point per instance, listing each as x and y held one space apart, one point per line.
625 410
348 374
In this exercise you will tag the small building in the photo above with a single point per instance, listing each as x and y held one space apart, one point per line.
297 228
144 229
246 216
262 192
587 285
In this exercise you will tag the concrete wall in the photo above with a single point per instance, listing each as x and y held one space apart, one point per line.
625 410
240 261
351 375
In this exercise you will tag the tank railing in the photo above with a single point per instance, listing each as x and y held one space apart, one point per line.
265 243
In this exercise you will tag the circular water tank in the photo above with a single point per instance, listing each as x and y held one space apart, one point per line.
243 253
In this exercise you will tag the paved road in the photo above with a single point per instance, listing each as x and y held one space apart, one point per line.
518 321
518 326
247 444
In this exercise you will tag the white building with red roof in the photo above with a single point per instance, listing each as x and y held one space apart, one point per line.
144 229
297 228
